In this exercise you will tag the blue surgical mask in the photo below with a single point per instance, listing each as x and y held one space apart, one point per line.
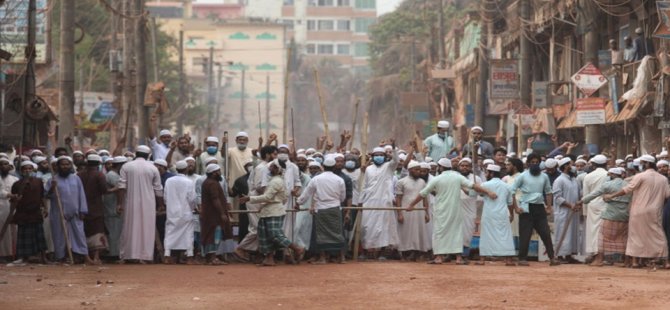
104 158
350 164
318 160
629 165
211 150
378 160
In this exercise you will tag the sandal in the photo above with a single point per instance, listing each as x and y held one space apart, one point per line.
216 262
434 262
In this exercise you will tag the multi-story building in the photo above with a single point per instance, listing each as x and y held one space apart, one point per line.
335 29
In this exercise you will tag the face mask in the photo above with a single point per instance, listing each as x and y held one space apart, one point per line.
241 146
104 158
219 178
573 170
282 157
350 164
378 160
211 150
318 160
629 165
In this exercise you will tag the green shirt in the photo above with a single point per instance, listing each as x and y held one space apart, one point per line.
617 209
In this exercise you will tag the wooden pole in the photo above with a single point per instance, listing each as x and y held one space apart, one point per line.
68 246
260 128
364 159
353 126
286 78
324 116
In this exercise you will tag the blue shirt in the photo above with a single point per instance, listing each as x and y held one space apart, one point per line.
439 147
533 188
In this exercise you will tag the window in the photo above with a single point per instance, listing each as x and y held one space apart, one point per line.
343 49
311 25
361 50
363 24
310 49
326 2
325 49
289 24
326 25
288 2
343 3
199 61
343 25
366 4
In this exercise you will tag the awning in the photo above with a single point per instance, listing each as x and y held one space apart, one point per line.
628 112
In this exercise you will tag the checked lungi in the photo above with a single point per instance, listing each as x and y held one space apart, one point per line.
613 237
271 234
30 240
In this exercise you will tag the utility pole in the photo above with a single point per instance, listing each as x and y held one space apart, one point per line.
141 68
267 105
483 71
243 122
116 79
182 91
446 109
591 134
524 63
210 89
66 74
154 51
219 93
129 85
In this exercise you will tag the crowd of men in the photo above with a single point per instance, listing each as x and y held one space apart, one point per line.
172 203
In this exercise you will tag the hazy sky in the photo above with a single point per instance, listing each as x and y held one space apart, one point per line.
385 6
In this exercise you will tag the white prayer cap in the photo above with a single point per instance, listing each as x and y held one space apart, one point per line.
39 159
53 160
402 156
494 168
338 155
314 163
443 124
511 155
103 152
551 163
558 157
413 164
77 152
465 160
619 162
310 150
616 170
648 158
94 158
629 156
378 150
301 155
662 154
662 162
636 162
578 161
119 159
242 134
477 128
212 168
329 161
580 157
189 158
4 155
180 165
27 163
143 149
317 153
212 139
208 160
90 151
388 147
425 165
428 159
488 162
612 41
599 159
300 151
24 157
283 146
564 161
165 132
638 30
432 164
444 162
161 162
278 165
68 158
2 159
34 152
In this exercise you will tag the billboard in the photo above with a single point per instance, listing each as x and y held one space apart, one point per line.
14 30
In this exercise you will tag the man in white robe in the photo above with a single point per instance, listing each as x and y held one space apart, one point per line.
413 229
566 192
6 182
597 206
139 187
379 227
497 214
470 201
180 201
293 187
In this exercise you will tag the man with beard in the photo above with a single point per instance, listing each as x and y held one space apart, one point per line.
496 231
44 173
314 168
293 185
73 200
7 180
328 192
514 168
161 217
79 160
481 147
241 188
95 186
413 229
566 193
113 220
535 204
238 156
214 212
140 187
180 201
27 194
441 143
212 149
551 169
469 202
646 238
303 220
179 150
349 186
379 227
595 207
159 145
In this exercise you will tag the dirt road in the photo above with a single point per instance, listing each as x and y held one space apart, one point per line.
353 286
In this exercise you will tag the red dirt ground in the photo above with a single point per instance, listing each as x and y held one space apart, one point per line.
390 285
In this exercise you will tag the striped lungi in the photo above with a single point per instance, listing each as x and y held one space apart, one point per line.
271 234
613 237
30 240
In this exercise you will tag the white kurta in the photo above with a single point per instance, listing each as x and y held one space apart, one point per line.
303 220
355 177
496 232
515 222
379 228
180 201
291 180
414 233
250 241
594 209
6 189
142 183
470 201
566 189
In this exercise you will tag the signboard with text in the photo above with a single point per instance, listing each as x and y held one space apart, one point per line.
504 79
590 111
540 94
589 79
